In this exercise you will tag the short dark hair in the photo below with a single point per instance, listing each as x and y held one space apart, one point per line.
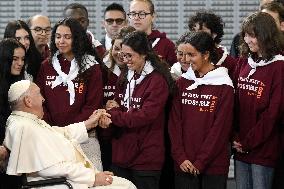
274 7
75 6
210 20
115 7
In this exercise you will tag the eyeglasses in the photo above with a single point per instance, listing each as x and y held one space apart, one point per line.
183 54
39 30
118 21
141 15
123 55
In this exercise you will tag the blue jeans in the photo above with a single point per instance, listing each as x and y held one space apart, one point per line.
252 176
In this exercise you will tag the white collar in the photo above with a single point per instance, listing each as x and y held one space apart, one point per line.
224 55
95 42
254 64
218 76
147 69
176 69
62 77
108 42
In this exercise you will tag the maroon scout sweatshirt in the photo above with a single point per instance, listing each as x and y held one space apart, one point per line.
165 48
140 145
259 100
57 108
200 124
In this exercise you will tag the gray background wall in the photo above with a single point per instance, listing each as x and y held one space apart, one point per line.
172 14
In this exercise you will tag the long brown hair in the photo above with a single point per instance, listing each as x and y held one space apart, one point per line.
263 27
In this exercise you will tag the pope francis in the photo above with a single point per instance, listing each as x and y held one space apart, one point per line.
42 151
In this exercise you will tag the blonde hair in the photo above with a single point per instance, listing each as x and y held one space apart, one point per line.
149 2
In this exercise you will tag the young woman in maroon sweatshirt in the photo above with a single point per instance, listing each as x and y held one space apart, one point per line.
141 16
114 66
213 24
71 81
201 117
259 102
142 93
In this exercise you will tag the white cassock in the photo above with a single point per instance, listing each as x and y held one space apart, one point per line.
42 151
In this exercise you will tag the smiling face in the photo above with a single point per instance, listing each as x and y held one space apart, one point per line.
63 41
116 48
252 43
182 56
23 37
199 62
132 59
138 23
18 61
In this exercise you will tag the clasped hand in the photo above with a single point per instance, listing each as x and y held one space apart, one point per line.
188 167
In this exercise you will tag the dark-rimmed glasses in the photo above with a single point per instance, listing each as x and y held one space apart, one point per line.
140 15
126 56
39 30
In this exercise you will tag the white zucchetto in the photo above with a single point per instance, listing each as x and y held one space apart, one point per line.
17 89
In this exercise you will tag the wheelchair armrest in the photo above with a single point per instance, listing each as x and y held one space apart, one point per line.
47 182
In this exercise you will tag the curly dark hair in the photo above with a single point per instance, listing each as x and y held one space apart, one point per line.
270 39
138 41
210 20
81 44
33 58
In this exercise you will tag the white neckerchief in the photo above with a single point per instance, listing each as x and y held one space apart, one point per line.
176 69
147 69
155 42
224 56
254 64
218 76
95 42
107 62
62 77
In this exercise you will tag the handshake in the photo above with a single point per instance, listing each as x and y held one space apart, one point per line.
100 117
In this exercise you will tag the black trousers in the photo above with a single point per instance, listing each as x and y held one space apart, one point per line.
189 181
106 153
10 182
141 179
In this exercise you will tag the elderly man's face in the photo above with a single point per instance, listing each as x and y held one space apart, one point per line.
37 100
